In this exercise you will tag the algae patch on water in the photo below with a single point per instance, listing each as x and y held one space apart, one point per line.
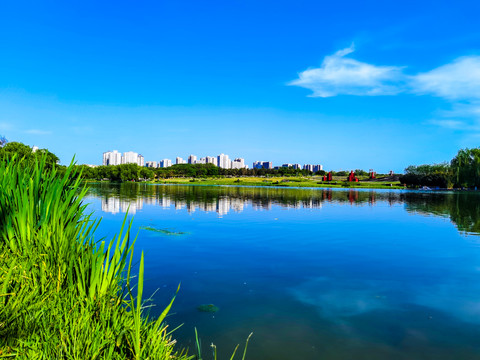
208 308
162 231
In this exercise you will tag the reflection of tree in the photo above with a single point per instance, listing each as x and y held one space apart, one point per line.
463 208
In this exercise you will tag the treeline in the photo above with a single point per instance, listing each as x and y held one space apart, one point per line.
128 172
463 171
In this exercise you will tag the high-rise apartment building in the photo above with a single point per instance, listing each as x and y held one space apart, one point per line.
165 163
317 168
297 166
308 167
151 164
179 160
192 159
211 160
223 161
140 160
112 158
262 165
130 157
238 163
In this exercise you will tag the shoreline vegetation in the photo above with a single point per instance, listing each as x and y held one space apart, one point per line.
307 182
63 294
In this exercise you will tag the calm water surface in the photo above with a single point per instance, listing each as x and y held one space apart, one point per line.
313 273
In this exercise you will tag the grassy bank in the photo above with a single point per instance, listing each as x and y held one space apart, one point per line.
62 294
284 181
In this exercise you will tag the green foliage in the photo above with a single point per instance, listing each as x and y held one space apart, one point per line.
466 168
22 151
462 171
62 295
436 175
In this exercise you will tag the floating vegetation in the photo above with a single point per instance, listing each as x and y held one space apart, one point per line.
210 308
162 231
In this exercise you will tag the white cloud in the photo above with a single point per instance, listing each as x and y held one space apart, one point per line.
38 132
339 75
459 80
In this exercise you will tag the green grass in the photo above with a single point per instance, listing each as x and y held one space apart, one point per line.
285 182
62 294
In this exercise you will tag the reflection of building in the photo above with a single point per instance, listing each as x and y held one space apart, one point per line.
224 201
111 205
115 205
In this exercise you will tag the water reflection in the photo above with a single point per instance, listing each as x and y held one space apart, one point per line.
347 274
463 208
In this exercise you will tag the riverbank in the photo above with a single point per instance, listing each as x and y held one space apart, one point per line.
283 181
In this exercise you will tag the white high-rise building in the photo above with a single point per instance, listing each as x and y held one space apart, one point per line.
211 160
238 163
151 164
192 159
165 163
112 158
179 160
130 157
140 160
308 167
223 161
202 161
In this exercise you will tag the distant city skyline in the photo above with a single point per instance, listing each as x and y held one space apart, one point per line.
114 157
355 84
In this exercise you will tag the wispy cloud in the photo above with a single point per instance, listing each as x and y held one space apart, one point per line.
340 75
459 80
38 132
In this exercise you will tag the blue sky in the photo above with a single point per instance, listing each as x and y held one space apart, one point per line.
348 84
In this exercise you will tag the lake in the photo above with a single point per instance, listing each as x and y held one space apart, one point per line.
313 273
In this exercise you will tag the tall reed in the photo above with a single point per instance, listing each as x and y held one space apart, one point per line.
62 295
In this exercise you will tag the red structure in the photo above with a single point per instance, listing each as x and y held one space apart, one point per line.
329 176
352 177
373 174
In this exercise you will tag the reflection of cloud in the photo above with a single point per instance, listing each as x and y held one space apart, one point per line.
458 298
341 299
338 299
